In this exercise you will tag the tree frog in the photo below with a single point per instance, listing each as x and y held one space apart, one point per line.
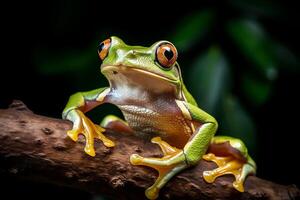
146 84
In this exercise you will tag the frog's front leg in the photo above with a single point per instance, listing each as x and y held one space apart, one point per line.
77 105
175 160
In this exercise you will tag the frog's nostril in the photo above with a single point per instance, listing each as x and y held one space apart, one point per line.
132 53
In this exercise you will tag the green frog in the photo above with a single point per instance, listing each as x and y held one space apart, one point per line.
146 84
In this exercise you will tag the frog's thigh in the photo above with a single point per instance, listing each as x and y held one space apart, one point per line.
225 146
115 123
230 154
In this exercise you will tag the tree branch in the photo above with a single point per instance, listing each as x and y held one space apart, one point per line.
36 147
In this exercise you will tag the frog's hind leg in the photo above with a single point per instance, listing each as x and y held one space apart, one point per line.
231 156
167 166
115 123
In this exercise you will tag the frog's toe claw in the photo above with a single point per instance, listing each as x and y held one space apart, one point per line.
136 159
109 143
73 134
167 149
156 140
209 176
208 156
99 128
152 193
238 186
99 134
90 151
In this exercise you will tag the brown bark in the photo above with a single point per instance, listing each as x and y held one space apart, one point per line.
36 147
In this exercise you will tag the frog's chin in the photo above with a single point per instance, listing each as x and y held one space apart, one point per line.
124 75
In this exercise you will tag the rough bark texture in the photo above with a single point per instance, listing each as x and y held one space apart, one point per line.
36 147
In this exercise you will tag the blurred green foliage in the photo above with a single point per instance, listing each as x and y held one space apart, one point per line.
191 29
210 82
217 78
255 45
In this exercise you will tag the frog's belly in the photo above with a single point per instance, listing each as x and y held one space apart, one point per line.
148 123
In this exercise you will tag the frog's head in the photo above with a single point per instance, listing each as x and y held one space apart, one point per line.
154 68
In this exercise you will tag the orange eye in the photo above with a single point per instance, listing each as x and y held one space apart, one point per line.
166 55
103 48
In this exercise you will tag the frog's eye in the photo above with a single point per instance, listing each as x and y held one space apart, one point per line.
166 55
103 48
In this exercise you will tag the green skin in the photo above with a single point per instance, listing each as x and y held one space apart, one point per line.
144 90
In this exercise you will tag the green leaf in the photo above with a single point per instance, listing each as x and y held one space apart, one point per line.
236 122
255 90
209 79
192 28
255 45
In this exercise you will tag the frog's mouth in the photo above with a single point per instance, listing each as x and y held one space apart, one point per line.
126 75
122 68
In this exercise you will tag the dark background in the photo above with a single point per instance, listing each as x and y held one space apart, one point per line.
239 60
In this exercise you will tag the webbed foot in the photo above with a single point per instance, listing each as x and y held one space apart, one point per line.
83 125
170 164
228 165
